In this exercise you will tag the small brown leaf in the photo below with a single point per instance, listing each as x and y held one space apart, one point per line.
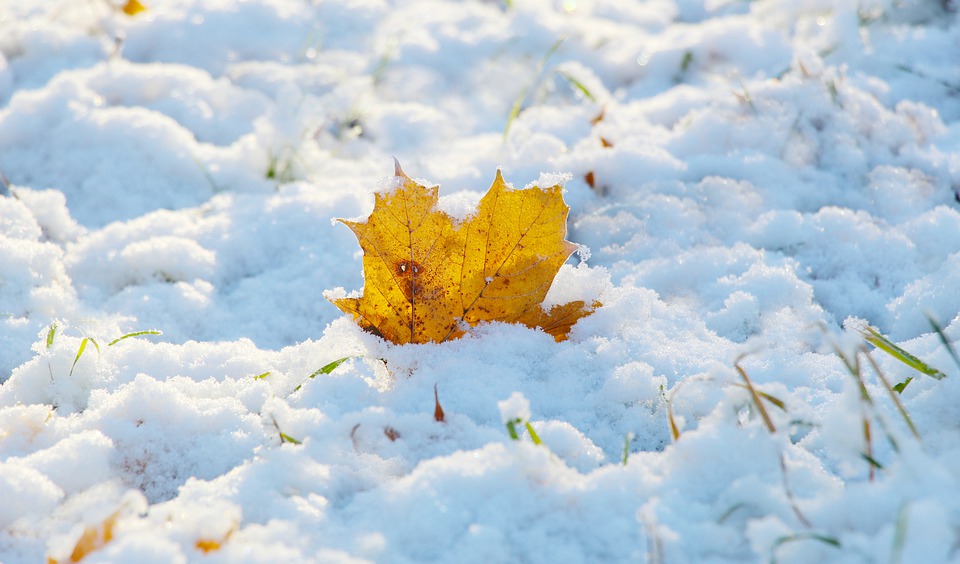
437 411
599 117
391 433
605 142
590 179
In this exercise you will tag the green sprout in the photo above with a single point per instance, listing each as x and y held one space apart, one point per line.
512 430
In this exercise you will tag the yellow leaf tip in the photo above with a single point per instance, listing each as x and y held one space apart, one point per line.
397 171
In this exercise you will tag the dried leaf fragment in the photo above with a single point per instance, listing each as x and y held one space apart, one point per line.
428 278
93 538
206 545
133 7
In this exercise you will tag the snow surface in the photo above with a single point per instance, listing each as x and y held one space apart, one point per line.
779 172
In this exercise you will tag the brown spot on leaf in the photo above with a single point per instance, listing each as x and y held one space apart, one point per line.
410 274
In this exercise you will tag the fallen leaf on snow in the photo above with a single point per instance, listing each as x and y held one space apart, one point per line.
428 278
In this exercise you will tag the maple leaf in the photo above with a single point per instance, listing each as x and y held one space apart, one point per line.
427 277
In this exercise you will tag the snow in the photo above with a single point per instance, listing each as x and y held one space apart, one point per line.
766 177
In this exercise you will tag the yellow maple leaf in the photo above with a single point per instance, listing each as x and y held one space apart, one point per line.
427 277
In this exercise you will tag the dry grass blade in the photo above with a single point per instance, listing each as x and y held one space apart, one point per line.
755 396
671 422
893 395
854 369
772 399
793 502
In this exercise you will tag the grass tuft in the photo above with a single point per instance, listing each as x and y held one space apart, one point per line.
518 102
514 435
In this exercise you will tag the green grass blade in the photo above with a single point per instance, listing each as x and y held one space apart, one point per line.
83 347
518 102
51 333
899 535
902 385
533 434
944 340
134 334
578 85
514 112
873 461
626 447
756 398
262 376
894 395
876 339
831 541
512 428
329 367
325 369
285 438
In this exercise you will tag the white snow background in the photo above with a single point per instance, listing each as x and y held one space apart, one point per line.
779 174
